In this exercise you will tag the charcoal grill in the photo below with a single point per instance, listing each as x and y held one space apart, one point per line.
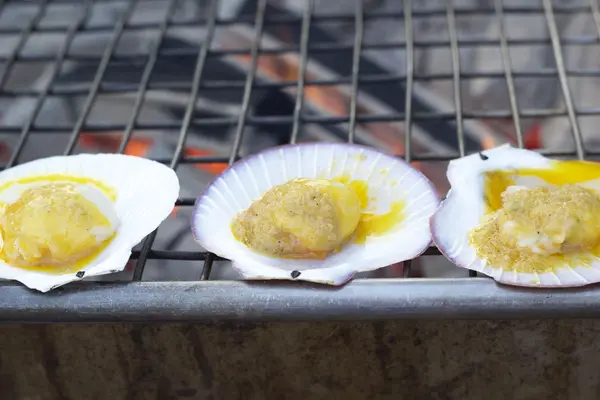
134 296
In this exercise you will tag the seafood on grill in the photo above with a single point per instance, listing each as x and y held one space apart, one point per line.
67 218
522 218
317 212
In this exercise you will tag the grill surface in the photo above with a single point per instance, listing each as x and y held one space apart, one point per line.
80 80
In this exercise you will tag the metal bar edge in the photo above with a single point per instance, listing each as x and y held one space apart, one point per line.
373 299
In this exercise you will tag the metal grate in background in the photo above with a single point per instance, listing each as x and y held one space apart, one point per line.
197 85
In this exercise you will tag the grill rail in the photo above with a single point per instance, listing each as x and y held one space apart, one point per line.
211 299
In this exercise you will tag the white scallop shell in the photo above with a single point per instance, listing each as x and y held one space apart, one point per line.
389 178
146 193
464 206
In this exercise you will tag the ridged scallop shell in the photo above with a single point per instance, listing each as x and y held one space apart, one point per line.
389 178
464 206
146 194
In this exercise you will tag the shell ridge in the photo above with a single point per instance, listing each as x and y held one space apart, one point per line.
455 247
413 185
214 205
299 161
577 274
242 186
315 160
361 154
372 170
417 199
217 192
404 176
283 165
265 169
250 174
345 162
556 278
227 188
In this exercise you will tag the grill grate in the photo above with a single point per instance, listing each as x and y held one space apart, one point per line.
260 18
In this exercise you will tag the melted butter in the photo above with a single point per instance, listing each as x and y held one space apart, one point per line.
359 157
54 178
561 173
496 183
71 267
379 224
49 228
361 188
565 172
371 224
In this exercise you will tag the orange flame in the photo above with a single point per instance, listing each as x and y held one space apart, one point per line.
215 168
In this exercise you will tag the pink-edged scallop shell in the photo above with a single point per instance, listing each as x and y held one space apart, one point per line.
464 206
389 178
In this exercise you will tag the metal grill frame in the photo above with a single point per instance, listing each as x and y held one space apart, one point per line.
473 297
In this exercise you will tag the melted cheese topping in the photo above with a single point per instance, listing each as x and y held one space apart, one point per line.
54 228
307 219
537 230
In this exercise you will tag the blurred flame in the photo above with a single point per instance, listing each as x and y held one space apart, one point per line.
140 146
533 137
214 168
488 142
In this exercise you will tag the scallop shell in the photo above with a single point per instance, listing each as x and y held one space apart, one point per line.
464 206
389 178
146 193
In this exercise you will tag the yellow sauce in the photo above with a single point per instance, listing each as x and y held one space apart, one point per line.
51 227
495 183
551 210
561 173
378 225
359 157
359 187
108 191
287 239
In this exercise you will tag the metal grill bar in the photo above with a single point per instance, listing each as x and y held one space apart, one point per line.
456 77
321 120
440 12
376 299
410 64
24 34
241 123
148 69
451 20
60 59
506 64
317 48
304 39
305 45
356 53
562 76
596 14
108 89
147 243
110 48
187 119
